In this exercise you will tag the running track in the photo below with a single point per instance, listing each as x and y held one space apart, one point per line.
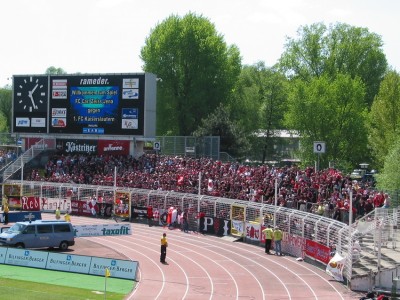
209 267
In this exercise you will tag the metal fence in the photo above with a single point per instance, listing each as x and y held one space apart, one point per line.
378 228
208 146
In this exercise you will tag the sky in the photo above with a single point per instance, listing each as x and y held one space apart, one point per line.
106 36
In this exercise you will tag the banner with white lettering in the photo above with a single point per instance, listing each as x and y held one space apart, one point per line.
118 268
102 230
30 203
26 258
50 204
113 147
293 245
3 252
68 262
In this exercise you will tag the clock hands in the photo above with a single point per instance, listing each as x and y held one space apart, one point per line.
33 90
33 102
30 95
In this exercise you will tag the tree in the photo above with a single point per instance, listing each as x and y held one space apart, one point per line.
339 49
197 71
232 138
389 178
5 109
258 103
55 71
332 111
384 118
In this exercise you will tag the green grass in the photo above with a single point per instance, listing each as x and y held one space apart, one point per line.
19 283
21 290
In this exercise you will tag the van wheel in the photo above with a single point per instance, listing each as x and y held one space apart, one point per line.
20 246
63 245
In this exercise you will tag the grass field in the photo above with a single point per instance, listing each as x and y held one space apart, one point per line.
21 283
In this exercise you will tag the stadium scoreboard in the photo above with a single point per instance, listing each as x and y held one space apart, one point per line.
89 104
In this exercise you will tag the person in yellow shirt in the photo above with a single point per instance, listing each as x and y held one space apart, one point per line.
278 241
67 217
58 213
164 245
6 210
268 233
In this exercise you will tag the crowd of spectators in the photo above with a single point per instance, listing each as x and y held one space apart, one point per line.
6 156
325 192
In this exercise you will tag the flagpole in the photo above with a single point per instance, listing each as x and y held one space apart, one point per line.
105 287
107 274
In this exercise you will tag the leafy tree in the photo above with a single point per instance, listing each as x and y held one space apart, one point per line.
5 109
389 178
55 71
258 104
337 49
332 111
197 71
232 138
384 118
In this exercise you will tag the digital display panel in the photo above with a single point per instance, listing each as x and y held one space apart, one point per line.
89 104
102 105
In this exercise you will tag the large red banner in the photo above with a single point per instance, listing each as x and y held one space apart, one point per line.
317 251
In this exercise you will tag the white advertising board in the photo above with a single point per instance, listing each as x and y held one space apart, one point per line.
68 262
118 268
26 258
102 230
3 252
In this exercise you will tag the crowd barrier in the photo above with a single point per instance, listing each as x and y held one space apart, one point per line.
305 234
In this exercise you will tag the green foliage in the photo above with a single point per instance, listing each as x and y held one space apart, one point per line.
232 138
389 178
258 103
197 71
332 111
5 109
55 71
339 49
384 118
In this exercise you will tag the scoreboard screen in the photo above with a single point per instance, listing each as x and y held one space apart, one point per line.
94 104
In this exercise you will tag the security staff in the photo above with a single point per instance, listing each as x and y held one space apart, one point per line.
164 245
268 232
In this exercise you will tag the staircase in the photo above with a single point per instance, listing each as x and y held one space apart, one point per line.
377 234
18 164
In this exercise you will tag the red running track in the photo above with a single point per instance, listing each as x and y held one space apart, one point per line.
209 267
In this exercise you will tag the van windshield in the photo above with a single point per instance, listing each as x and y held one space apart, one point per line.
17 228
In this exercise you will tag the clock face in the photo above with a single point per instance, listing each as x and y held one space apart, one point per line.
30 94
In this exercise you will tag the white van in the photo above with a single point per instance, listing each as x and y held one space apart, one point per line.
39 234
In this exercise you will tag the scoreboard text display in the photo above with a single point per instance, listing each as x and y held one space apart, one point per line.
94 104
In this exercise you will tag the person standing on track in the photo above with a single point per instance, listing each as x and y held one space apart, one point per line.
278 241
150 215
58 213
268 233
5 213
164 245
